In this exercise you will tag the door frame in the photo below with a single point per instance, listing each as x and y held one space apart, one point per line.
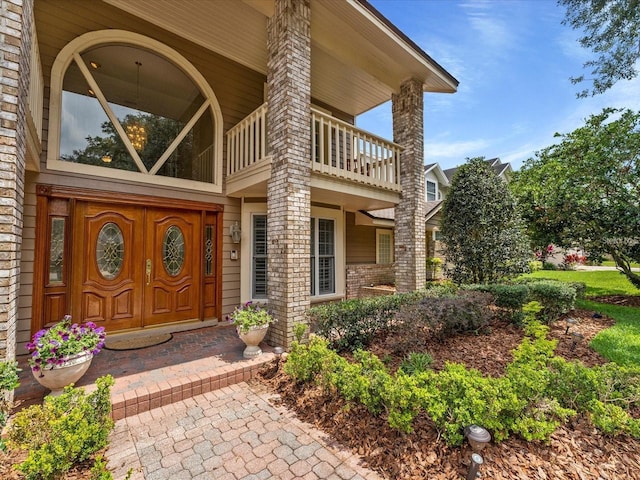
45 194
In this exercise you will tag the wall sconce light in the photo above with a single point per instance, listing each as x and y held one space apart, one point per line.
106 158
235 233
477 436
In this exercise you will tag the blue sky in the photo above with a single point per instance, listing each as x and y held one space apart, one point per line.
513 59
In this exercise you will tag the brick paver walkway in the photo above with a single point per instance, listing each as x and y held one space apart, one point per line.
227 434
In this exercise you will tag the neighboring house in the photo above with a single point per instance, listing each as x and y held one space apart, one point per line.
164 161
437 184
503 170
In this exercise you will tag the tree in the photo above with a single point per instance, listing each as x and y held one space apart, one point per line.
612 31
482 232
160 132
585 190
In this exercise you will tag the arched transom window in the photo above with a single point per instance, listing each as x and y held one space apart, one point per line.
132 108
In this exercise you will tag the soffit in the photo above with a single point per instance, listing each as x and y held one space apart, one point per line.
357 60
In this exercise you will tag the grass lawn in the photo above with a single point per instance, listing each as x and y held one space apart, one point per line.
620 343
598 283
611 263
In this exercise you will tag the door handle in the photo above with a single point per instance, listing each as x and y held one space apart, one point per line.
148 271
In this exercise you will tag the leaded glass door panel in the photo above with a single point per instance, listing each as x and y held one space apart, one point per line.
107 266
172 266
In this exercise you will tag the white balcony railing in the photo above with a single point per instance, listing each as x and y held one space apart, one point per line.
247 141
338 149
342 150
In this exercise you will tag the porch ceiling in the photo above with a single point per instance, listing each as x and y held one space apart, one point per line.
358 60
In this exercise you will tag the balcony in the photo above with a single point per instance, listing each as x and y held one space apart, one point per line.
346 161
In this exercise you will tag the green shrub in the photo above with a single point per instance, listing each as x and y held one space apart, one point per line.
606 393
580 288
556 298
535 265
441 289
299 331
442 317
309 362
63 431
364 380
549 266
508 297
353 324
8 376
8 382
416 362
538 392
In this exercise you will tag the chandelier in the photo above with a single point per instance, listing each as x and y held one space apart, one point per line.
135 130
137 135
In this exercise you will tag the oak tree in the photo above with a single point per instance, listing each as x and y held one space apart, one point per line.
585 190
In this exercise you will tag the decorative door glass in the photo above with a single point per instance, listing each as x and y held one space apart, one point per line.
173 250
110 250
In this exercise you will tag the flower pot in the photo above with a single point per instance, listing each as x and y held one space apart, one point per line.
252 340
57 377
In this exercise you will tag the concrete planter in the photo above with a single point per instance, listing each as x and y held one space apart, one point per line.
252 340
59 376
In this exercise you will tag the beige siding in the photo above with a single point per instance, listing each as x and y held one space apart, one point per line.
361 241
26 265
238 90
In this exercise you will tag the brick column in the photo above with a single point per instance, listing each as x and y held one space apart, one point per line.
16 19
408 131
288 192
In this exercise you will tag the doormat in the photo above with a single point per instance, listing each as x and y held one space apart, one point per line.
136 343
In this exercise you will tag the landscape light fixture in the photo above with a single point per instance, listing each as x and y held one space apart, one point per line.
476 461
477 436
570 323
577 338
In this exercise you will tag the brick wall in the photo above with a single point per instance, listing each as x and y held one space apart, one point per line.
408 131
16 19
288 191
364 275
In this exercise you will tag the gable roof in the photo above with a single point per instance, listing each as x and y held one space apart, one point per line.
501 169
438 172
431 208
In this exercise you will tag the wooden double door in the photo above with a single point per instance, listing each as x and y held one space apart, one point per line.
129 266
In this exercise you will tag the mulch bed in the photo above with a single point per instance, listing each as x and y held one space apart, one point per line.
576 451
622 300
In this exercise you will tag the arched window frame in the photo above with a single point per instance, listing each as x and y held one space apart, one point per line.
71 51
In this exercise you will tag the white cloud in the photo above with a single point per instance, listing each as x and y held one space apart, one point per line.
495 33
